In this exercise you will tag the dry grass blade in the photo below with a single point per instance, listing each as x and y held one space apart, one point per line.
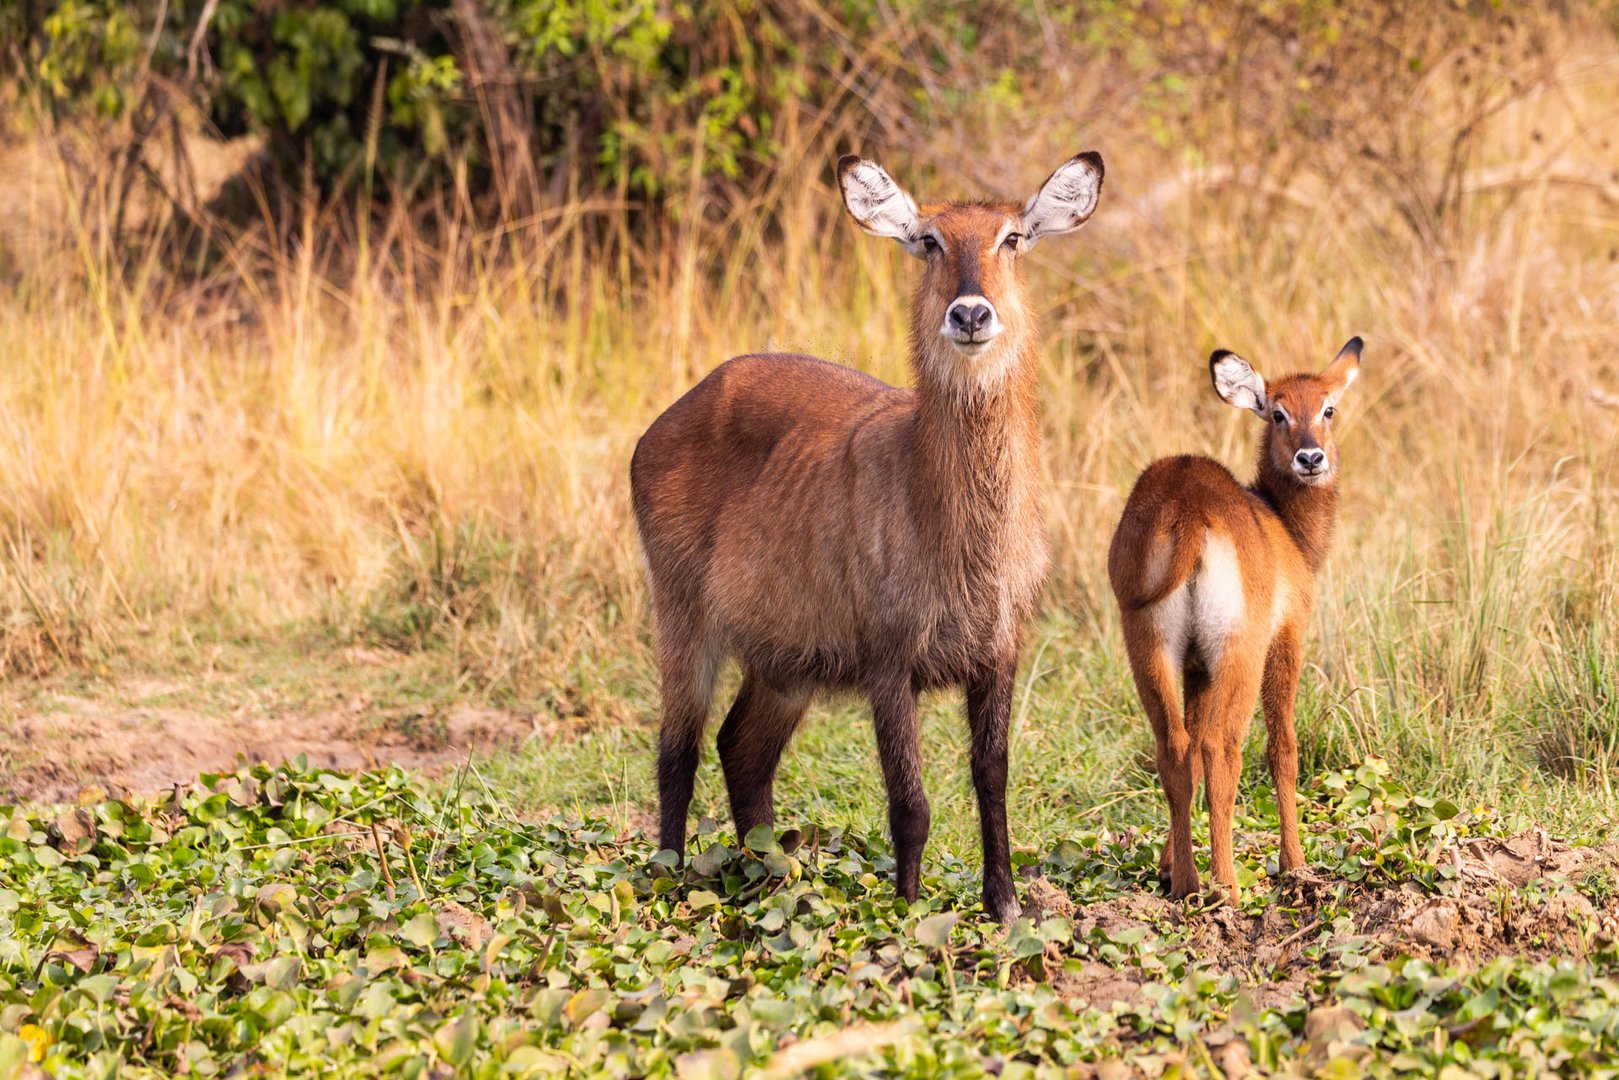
851 1042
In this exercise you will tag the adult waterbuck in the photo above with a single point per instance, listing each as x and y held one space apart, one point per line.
834 532
1215 582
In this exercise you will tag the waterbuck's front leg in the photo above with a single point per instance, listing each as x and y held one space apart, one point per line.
893 708
989 718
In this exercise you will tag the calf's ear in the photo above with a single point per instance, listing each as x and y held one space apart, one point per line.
1237 383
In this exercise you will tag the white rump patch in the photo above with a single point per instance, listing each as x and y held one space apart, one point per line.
1203 612
1217 600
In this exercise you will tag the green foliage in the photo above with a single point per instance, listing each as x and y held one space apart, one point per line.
316 922
91 48
618 94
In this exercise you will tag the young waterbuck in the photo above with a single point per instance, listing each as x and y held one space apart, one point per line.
831 531
1215 582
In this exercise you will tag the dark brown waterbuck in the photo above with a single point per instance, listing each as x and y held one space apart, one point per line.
834 532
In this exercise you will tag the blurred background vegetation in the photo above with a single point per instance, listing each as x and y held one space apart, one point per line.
334 323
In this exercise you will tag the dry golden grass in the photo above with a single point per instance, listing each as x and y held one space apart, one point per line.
423 440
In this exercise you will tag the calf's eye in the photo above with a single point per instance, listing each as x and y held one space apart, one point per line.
929 244
1279 416
1328 413
1012 241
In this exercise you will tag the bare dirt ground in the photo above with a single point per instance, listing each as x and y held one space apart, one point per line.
1487 910
145 736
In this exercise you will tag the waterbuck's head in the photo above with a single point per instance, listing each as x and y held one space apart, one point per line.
969 313
1298 411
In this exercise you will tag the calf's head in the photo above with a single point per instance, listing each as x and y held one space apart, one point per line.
1298 410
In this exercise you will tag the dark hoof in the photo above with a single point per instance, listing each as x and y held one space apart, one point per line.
1006 911
1181 892
1215 896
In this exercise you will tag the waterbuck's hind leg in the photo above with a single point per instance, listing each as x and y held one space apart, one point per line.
1281 684
1155 680
1166 857
989 718
1217 714
687 659
756 731
893 709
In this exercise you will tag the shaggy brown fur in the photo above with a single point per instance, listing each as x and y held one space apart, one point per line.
831 531
1215 584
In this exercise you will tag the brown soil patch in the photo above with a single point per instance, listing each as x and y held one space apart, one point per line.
1482 913
67 744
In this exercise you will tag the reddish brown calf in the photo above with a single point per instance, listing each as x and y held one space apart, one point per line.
1215 583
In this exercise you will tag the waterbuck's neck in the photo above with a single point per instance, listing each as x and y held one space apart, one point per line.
1309 513
978 436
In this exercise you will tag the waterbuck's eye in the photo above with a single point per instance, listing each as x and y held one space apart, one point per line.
1279 416
1011 242
1328 413
929 244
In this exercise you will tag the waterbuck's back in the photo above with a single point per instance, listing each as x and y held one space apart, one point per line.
754 494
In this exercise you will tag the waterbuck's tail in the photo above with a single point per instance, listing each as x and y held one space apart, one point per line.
1150 560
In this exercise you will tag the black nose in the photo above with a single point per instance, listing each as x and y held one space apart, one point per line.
1311 460
970 318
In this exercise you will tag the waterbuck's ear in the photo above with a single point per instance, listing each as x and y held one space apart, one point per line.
1066 200
1236 382
1344 369
879 205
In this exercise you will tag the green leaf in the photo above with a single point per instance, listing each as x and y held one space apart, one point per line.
282 972
934 931
99 987
532 1061
457 1039
710 860
421 931
761 839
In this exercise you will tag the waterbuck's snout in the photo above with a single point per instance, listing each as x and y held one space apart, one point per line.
1310 462
971 322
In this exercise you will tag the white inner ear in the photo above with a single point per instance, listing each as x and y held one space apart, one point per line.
879 205
1239 385
1064 202
1349 377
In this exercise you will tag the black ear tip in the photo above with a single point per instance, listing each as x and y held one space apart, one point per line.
1218 355
848 162
1353 346
1094 160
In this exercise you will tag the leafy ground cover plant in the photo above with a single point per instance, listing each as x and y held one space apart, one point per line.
293 920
